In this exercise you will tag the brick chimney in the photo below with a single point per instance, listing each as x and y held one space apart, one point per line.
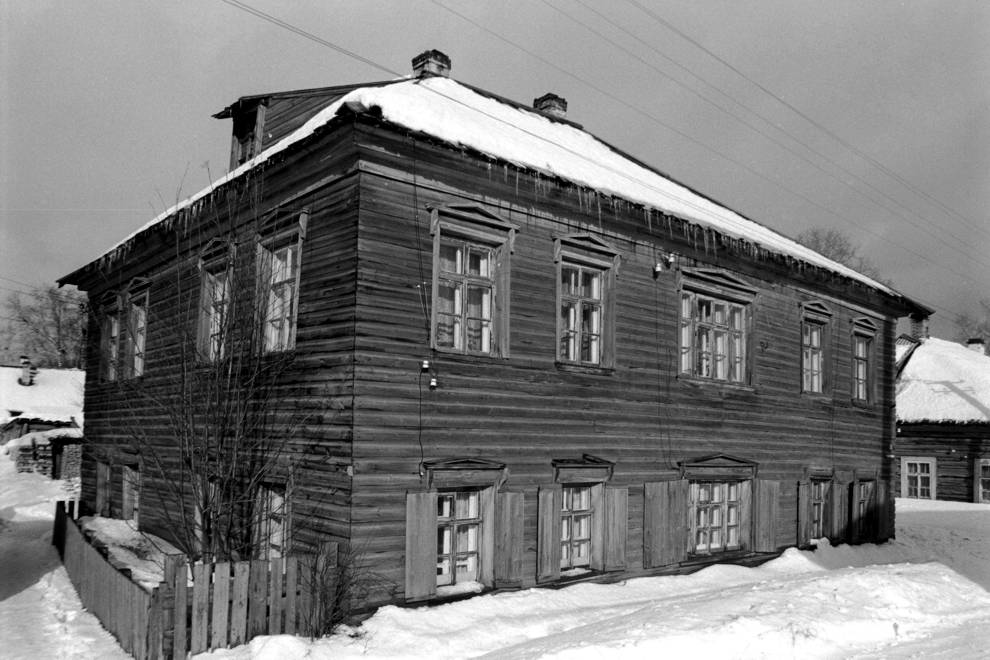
431 63
919 327
551 104
977 344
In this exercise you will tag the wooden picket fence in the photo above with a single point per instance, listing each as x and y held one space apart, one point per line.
226 604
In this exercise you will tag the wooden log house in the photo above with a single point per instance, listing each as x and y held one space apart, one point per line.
530 358
943 420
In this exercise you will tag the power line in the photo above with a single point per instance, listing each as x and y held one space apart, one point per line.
883 168
756 129
685 201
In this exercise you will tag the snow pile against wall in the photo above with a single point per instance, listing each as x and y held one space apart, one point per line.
460 116
944 382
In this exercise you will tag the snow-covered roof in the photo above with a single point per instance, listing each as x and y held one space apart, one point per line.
43 437
56 395
462 116
944 382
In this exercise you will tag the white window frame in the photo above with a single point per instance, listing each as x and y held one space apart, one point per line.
723 499
276 324
455 526
577 528
215 309
815 356
135 333
979 479
820 494
272 520
110 343
585 254
913 480
863 363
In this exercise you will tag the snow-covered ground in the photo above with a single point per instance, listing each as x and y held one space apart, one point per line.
924 595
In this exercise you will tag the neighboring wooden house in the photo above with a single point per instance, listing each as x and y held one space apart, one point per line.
943 420
33 403
527 356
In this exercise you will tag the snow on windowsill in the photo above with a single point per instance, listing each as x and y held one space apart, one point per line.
575 572
459 589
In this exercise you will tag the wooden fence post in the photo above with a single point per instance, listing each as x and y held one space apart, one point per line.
179 620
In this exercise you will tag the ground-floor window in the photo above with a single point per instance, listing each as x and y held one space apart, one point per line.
271 532
575 527
458 533
863 495
715 518
918 478
131 490
982 479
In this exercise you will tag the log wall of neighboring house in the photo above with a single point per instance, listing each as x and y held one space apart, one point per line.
525 410
955 449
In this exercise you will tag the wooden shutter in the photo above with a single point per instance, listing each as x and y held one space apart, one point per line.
804 512
548 534
421 545
665 523
747 517
765 499
508 540
616 516
840 512
486 544
597 527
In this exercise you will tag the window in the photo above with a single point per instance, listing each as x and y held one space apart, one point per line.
918 478
713 338
586 269
279 276
981 469
109 344
214 308
135 334
575 527
715 526
271 533
131 491
464 297
864 330
815 319
820 491
470 292
458 534
863 503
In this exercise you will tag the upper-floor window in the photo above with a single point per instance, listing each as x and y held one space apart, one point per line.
864 332
279 256
714 334
470 294
586 269
135 334
814 347
214 312
124 332
109 342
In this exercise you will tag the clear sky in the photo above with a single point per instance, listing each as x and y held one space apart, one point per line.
869 117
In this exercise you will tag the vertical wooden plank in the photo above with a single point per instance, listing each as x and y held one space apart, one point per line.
275 597
421 545
239 604
258 598
509 540
548 533
180 628
291 588
804 513
198 641
220 624
766 497
616 524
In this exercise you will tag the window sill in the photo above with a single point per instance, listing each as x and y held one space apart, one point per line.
578 368
695 381
468 357
861 404
819 397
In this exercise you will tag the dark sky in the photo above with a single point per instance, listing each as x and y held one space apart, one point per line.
877 120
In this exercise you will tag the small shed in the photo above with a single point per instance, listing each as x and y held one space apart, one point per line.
943 420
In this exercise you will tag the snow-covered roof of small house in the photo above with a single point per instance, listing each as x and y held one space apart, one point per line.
467 117
943 381
43 438
55 395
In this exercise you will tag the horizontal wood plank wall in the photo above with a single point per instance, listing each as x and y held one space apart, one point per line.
314 392
524 410
954 448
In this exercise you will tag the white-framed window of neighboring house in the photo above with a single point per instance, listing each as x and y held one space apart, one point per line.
279 259
110 342
272 522
586 272
815 320
131 493
215 304
470 291
714 326
462 535
918 477
864 333
981 477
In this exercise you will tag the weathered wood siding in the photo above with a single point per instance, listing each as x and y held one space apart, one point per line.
954 447
525 410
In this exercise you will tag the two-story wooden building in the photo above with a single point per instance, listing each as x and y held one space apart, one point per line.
526 356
